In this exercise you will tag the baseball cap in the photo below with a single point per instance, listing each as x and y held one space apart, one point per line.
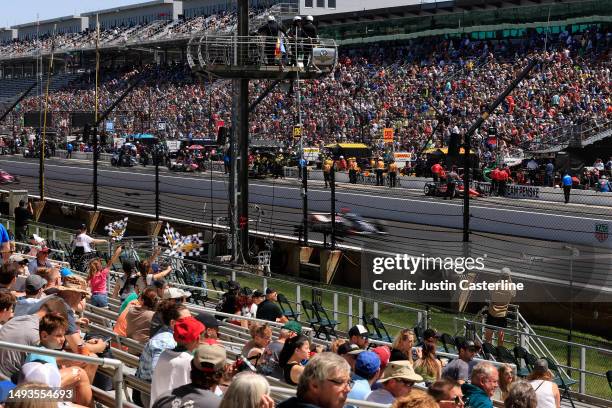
429 333
400 369
82 227
17 258
34 283
349 348
367 363
209 357
41 373
258 293
293 326
270 290
36 238
233 285
384 353
43 249
65 272
187 330
358 330
208 320
175 293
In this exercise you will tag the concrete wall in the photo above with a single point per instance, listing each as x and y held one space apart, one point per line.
320 7
129 16
7 34
69 24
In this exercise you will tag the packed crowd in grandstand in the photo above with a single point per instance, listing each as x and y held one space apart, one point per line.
183 356
409 87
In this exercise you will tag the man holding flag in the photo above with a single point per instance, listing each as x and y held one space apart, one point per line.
273 47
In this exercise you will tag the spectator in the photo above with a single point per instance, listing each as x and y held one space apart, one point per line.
367 371
229 301
483 385
34 285
293 357
428 366
207 368
498 309
257 298
53 276
41 261
269 362
447 394
24 330
384 353
268 310
8 276
163 340
521 395
350 352
415 399
431 336
458 369
397 381
248 390
547 392
7 304
26 387
23 214
126 286
173 366
97 276
149 272
261 335
358 335
401 349
5 245
506 379
174 295
325 383
211 324
138 318
82 242
52 330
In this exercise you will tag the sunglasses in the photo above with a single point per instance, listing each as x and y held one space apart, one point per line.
407 383
457 400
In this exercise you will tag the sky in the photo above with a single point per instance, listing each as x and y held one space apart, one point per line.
24 11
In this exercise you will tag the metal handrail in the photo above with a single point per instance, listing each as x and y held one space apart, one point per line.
103 362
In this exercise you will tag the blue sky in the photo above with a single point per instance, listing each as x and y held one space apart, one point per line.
17 12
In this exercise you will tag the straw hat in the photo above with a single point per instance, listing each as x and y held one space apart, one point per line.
74 283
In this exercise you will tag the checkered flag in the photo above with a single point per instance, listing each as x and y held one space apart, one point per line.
172 239
190 245
116 229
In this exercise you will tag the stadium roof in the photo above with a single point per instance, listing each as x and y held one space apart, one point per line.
128 7
51 20
425 9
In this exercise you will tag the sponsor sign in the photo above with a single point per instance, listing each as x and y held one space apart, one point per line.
297 131
388 135
402 157
601 232
173 145
311 154
514 191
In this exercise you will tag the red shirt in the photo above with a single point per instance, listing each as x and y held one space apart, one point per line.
494 175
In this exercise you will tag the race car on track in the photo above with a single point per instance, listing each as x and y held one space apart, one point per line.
347 223
7 178
439 190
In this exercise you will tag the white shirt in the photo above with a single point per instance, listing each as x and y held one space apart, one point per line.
83 240
172 370
544 393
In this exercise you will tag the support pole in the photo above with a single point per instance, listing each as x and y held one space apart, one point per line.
332 186
243 132
157 159
95 167
467 142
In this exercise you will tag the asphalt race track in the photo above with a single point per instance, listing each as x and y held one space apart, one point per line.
276 211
